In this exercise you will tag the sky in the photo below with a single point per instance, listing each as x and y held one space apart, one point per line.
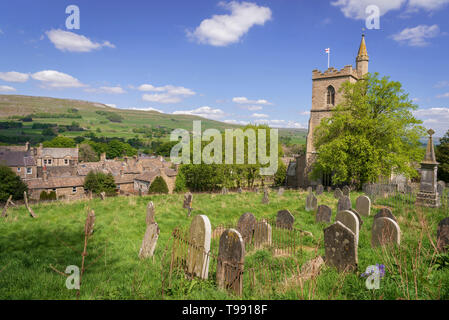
233 61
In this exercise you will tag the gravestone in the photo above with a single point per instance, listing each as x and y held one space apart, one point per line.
358 217
350 220
281 191
246 225
262 234
199 247
363 205
150 213
344 203
385 213
188 199
265 199
285 219
103 195
337 193
443 235
323 214
149 241
385 231
239 190
231 258
319 189
340 246
311 202
309 190
90 221
224 190
329 189
346 191
440 187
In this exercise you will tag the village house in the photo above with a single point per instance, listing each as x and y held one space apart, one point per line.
20 160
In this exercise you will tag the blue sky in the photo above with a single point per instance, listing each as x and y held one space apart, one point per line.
231 61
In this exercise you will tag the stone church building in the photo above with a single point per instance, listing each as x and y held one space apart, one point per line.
325 96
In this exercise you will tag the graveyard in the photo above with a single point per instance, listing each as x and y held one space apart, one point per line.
291 265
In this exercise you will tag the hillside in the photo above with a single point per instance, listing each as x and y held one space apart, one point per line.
92 116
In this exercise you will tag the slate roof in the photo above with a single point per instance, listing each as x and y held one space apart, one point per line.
51 183
59 153
147 176
16 158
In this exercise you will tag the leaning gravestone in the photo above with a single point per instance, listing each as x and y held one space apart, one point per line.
231 258
340 245
346 191
385 231
344 203
188 199
443 235
262 234
363 205
285 219
246 225
265 199
311 202
350 220
199 247
385 213
358 217
323 214
102 195
319 189
337 193
281 191
150 213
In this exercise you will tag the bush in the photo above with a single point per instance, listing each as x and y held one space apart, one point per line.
47 196
158 186
11 184
180 183
98 182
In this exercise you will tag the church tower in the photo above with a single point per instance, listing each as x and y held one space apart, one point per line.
325 96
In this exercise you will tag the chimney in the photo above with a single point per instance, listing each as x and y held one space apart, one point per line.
27 146
74 170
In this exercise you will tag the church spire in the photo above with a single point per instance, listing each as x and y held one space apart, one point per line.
362 58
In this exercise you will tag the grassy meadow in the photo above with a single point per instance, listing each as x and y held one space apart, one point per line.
32 249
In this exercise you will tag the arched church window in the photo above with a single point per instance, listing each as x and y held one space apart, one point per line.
331 95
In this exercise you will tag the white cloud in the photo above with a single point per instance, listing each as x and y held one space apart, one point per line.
305 113
442 84
417 36
69 41
245 100
355 9
111 105
259 115
13 76
280 123
435 118
241 122
165 94
148 109
429 5
7 89
222 30
444 95
109 90
56 79
205 112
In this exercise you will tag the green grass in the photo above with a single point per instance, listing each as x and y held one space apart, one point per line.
29 246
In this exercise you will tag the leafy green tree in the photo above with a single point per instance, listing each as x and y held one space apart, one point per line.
180 182
158 186
49 132
442 155
11 184
60 142
370 134
98 182
281 174
116 148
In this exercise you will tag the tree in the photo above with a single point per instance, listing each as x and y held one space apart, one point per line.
180 183
98 182
372 133
60 142
281 174
158 186
11 184
442 155
87 153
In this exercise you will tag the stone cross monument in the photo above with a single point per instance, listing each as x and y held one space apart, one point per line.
428 195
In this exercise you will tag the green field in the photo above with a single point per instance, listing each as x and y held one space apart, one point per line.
29 247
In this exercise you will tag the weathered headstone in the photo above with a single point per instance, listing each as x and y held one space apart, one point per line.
385 213
246 225
284 219
265 199
319 189
149 241
385 231
224 190
340 245
323 213
188 199
231 258
199 247
363 205
344 203
309 190
337 193
281 191
103 195
90 222
311 202
239 190
150 213
346 191
440 187
443 235
262 234
329 189
359 218
350 220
